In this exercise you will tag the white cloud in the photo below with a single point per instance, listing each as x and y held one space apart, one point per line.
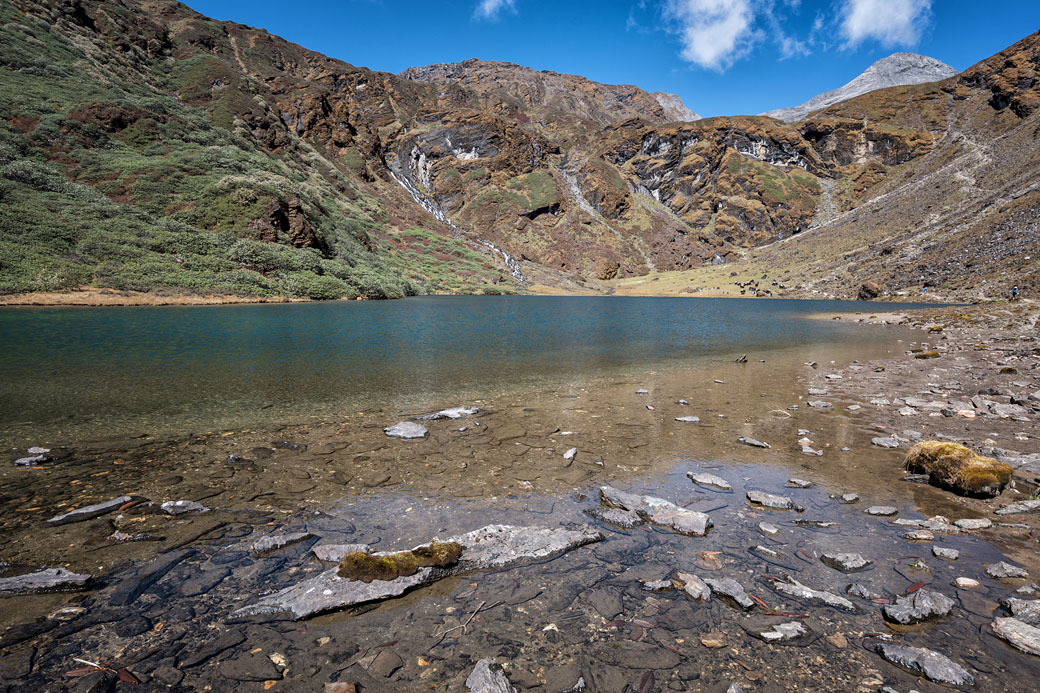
715 33
492 9
890 22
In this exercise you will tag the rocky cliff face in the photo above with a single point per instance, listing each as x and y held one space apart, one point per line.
898 69
674 108
450 177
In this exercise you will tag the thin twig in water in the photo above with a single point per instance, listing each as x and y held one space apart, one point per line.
480 607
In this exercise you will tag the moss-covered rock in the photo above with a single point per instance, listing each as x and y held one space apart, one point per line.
958 469
365 567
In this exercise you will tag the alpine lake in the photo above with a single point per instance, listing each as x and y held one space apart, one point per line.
270 421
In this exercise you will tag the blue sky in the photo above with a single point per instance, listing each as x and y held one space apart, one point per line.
723 57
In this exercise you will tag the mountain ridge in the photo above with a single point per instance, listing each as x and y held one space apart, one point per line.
897 69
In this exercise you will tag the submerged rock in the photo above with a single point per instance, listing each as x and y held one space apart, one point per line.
453 413
488 677
89 512
704 479
728 587
406 430
752 442
46 580
845 562
658 511
274 542
1019 634
1005 570
494 546
768 500
928 663
919 606
784 632
793 588
182 507
959 469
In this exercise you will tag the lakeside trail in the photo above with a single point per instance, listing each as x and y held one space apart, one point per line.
172 596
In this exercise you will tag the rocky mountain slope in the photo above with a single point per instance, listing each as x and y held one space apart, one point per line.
898 69
144 146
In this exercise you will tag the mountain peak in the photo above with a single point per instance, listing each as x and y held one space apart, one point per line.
895 70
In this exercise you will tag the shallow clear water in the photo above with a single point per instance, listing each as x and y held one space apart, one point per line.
100 372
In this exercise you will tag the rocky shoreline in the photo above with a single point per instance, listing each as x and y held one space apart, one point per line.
642 544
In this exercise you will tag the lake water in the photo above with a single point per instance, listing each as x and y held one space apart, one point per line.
104 372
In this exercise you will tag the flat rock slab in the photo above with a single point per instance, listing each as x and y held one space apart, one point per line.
658 511
928 663
728 587
920 606
845 562
407 430
694 586
752 442
127 591
946 554
1026 506
274 542
183 507
799 483
1005 570
453 413
494 546
1019 634
882 510
885 442
1025 610
784 632
46 580
89 512
688 419
793 588
336 552
974 523
704 479
768 500
626 519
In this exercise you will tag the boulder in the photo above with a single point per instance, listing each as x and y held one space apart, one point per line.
959 469
868 291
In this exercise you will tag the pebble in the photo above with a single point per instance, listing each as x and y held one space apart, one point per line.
919 535
704 479
849 498
965 583
569 455
688 419
799 483
768 529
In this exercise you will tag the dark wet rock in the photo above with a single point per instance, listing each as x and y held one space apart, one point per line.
863 592
274 542
67 613
223 642
47 580
95 682
385 664
945 553
920 606
183 507
845 562
127 591
799 483
606 603
251 666
793 588
768 500
494 546
974 523
783 632
1005 570
849 498
488 677
1025 610
882 510
658 511
730 588
694 586
131 626
616 516
203 581
928 663
453 413
336 552
688 419
89 512
752 442
704 479
407 430
1025 506
1019 634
